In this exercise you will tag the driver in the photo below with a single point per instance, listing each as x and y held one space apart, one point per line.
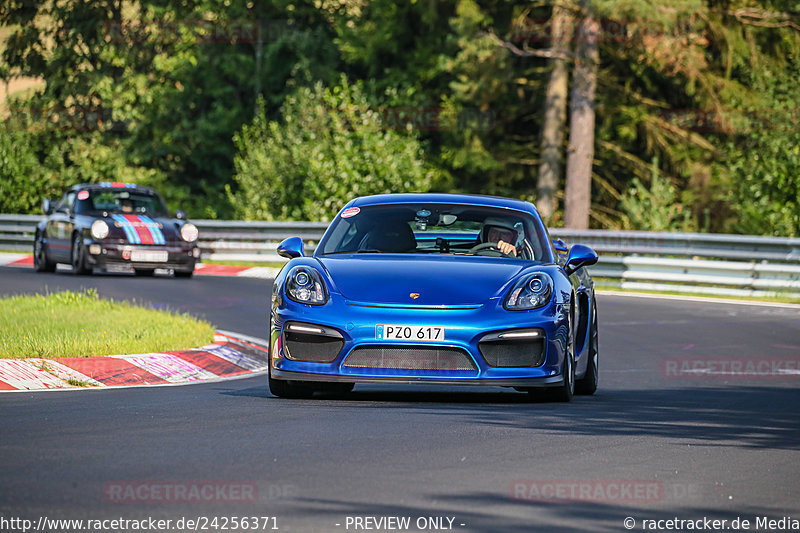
127 205
502 232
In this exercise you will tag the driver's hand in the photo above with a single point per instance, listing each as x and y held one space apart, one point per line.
506 248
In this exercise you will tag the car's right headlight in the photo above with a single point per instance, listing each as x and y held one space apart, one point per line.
189 232
530 292
99 229
304 285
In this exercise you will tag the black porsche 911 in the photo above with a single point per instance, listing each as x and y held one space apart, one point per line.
114 226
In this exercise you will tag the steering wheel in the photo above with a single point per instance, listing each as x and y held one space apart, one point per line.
488 246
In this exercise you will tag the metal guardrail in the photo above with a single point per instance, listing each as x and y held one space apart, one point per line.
699 263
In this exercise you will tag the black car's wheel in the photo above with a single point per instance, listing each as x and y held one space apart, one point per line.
146 272
588 383
41 263
79 256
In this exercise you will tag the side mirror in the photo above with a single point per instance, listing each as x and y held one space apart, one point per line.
180 214
291 248
560 246
579 256
47 206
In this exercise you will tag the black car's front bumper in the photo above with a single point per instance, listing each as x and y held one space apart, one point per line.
108 255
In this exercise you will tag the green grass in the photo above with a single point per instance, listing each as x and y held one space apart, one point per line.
78 324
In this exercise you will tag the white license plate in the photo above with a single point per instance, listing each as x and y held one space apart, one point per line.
403 332
148 256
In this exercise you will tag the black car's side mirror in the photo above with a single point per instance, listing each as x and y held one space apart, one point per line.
579 256
180 214
47 206
291 248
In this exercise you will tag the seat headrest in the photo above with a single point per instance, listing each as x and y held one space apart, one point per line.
395 236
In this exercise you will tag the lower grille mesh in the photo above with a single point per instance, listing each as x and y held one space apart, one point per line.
312 348
508 354
410 358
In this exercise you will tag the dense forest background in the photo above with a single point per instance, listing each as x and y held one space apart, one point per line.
286 109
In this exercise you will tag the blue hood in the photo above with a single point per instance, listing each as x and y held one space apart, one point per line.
440 280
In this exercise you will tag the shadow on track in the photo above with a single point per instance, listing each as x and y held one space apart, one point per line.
750 417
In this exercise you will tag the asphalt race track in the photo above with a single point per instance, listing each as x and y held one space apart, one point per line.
650 445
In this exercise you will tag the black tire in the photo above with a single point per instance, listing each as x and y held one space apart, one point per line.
184 273
78 257
293 390
565 391
41 262
587 385
144 272
335 388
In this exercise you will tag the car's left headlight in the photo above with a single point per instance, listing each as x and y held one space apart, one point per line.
530 292
189 232
304 285
99 229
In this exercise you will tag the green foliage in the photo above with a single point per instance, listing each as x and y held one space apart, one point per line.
329 146
183 111
765 173
656 208
21 178
35 165
175 86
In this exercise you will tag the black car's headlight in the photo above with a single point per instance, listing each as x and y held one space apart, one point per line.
530 292
304 285
189 232
99 229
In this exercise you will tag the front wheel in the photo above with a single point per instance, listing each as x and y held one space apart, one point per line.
588 383
41 263
294 390
565 391
79 257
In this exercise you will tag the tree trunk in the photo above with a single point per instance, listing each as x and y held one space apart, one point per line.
578 190
555 112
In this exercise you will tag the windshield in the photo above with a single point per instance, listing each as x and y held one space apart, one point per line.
434 229
123 201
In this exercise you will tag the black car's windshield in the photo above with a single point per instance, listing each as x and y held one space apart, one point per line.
124 201
434 228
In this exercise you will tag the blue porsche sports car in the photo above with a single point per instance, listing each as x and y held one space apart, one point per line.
438 289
